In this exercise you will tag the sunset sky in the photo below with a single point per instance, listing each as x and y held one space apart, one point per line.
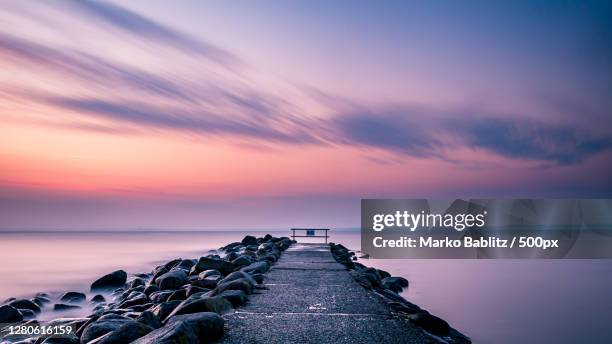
244 114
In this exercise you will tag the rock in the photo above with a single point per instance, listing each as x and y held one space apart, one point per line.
41 300
73 297
27 314
207 273
431 323
25 304
249 240
238 284
186 264
138 299
136 282
257 267
98 299
231 256
64 307
384 274
396 284
192 289
113 280
209 282
194 328
239 275
126 333
259 278
150 289
180 294
9 314
361 279
141 308
405 307
64 339
164 309
242 261
105 324
194 304
373 275
235 297
205 263
150 319
172 280
160 296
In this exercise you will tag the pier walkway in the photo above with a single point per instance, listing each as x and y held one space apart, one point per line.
312 298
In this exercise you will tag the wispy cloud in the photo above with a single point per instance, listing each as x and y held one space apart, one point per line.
199 98
142 27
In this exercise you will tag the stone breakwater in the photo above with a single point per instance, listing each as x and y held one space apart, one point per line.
388 287
179 302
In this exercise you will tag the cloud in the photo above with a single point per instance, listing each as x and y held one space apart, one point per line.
143 27
85 67
528 139
198 121
396 131
217 101
427 134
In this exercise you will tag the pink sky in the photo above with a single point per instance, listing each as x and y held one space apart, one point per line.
123 118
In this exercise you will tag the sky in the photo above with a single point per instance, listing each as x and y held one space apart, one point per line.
275 114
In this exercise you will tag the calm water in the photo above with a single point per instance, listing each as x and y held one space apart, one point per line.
493 301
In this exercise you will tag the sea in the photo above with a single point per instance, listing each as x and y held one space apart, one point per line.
491 301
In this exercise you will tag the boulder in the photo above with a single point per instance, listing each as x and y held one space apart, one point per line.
113 280
249 240
105 324
126 333
141 308
209 282
257 267
431 323
242 261
172 280
208 273
9 314
164 309
98 299
136 282
186 264
192 289
73 297
150 289
205 263
238 275
194 328
259 278
160 296
138 299
383 274
25 304
235 297
27 314
196 304
396 284
41 300
361 279
64 339
237 284
150 319
180 294
64 307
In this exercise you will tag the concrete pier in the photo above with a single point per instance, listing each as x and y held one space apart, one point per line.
312 298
